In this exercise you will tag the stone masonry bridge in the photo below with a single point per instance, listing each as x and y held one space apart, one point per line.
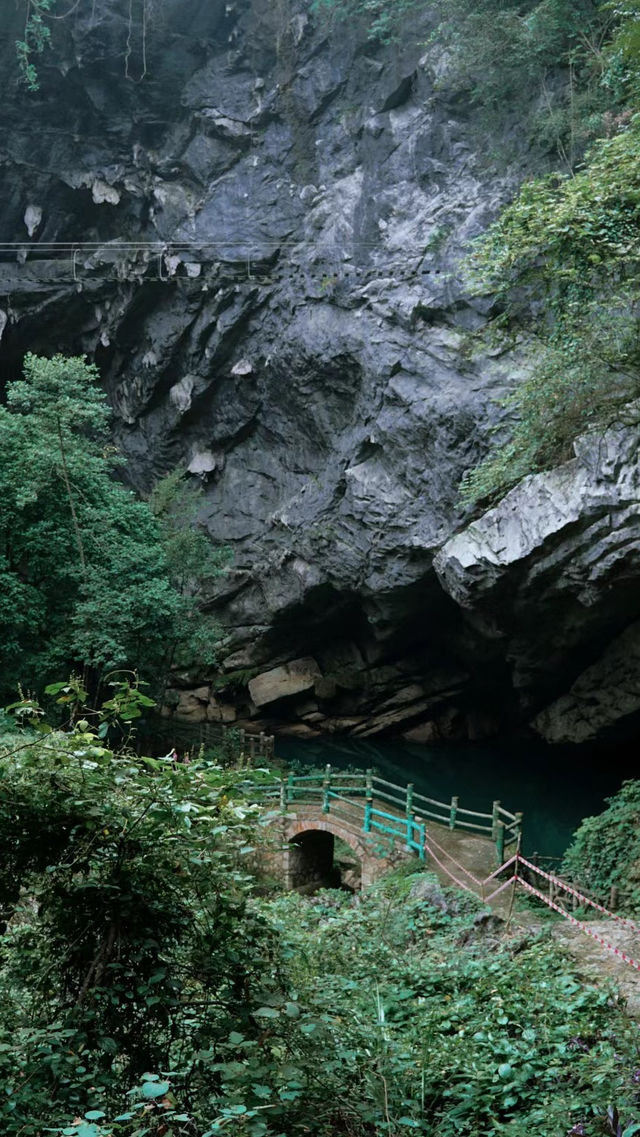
349 829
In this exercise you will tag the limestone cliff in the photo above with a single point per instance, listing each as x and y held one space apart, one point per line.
270 215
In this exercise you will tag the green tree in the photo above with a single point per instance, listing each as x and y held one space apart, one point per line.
85 580
193 563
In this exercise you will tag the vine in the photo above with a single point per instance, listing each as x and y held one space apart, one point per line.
37 37
143 43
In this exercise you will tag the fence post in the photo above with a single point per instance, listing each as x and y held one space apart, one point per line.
453 812
495 820
290 789
283 796
262 750
252 749
369 784
517 829
500 842
326 786
410 799
613 897
367 817
422 833
409 810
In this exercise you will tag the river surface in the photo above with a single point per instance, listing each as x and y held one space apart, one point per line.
555 787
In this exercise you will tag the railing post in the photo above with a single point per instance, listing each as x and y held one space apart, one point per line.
518 828
453 813
422 833
252 749
290 789
614 896
407 843
369 784
367 817
283 796
500 842
409 811
262 750
495 820
326 786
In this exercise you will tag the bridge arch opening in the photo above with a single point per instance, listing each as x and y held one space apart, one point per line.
318 858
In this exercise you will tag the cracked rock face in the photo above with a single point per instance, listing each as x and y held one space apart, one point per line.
551 575
264 221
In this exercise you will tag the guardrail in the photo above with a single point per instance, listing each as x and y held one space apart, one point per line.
233 741
409 811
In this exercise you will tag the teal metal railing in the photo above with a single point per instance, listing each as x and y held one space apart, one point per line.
379 806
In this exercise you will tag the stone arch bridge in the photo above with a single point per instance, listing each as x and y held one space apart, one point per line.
325 822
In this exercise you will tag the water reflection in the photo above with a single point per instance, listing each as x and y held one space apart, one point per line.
554 787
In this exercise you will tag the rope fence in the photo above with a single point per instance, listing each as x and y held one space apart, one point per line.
517 880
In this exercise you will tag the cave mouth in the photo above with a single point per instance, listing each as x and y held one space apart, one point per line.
318 859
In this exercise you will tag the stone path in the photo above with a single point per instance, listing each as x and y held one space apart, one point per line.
478 855
597 963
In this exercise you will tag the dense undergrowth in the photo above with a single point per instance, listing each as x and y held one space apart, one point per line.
605 852
153 981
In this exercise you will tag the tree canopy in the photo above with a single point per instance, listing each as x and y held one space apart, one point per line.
90 578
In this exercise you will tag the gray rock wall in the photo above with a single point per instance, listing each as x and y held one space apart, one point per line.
295 331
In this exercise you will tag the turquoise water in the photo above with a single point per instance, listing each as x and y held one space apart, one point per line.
554 787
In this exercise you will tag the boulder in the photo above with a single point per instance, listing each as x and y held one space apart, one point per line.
191 708
428 889
285 681
220 712
425 733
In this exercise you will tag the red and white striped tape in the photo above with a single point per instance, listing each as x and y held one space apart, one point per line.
501 868
516 860
578 923
574 892
502 887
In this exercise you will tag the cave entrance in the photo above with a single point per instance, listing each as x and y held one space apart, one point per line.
318 859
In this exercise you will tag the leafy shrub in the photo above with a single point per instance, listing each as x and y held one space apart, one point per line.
606 849
489 1038
539 60
563 259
